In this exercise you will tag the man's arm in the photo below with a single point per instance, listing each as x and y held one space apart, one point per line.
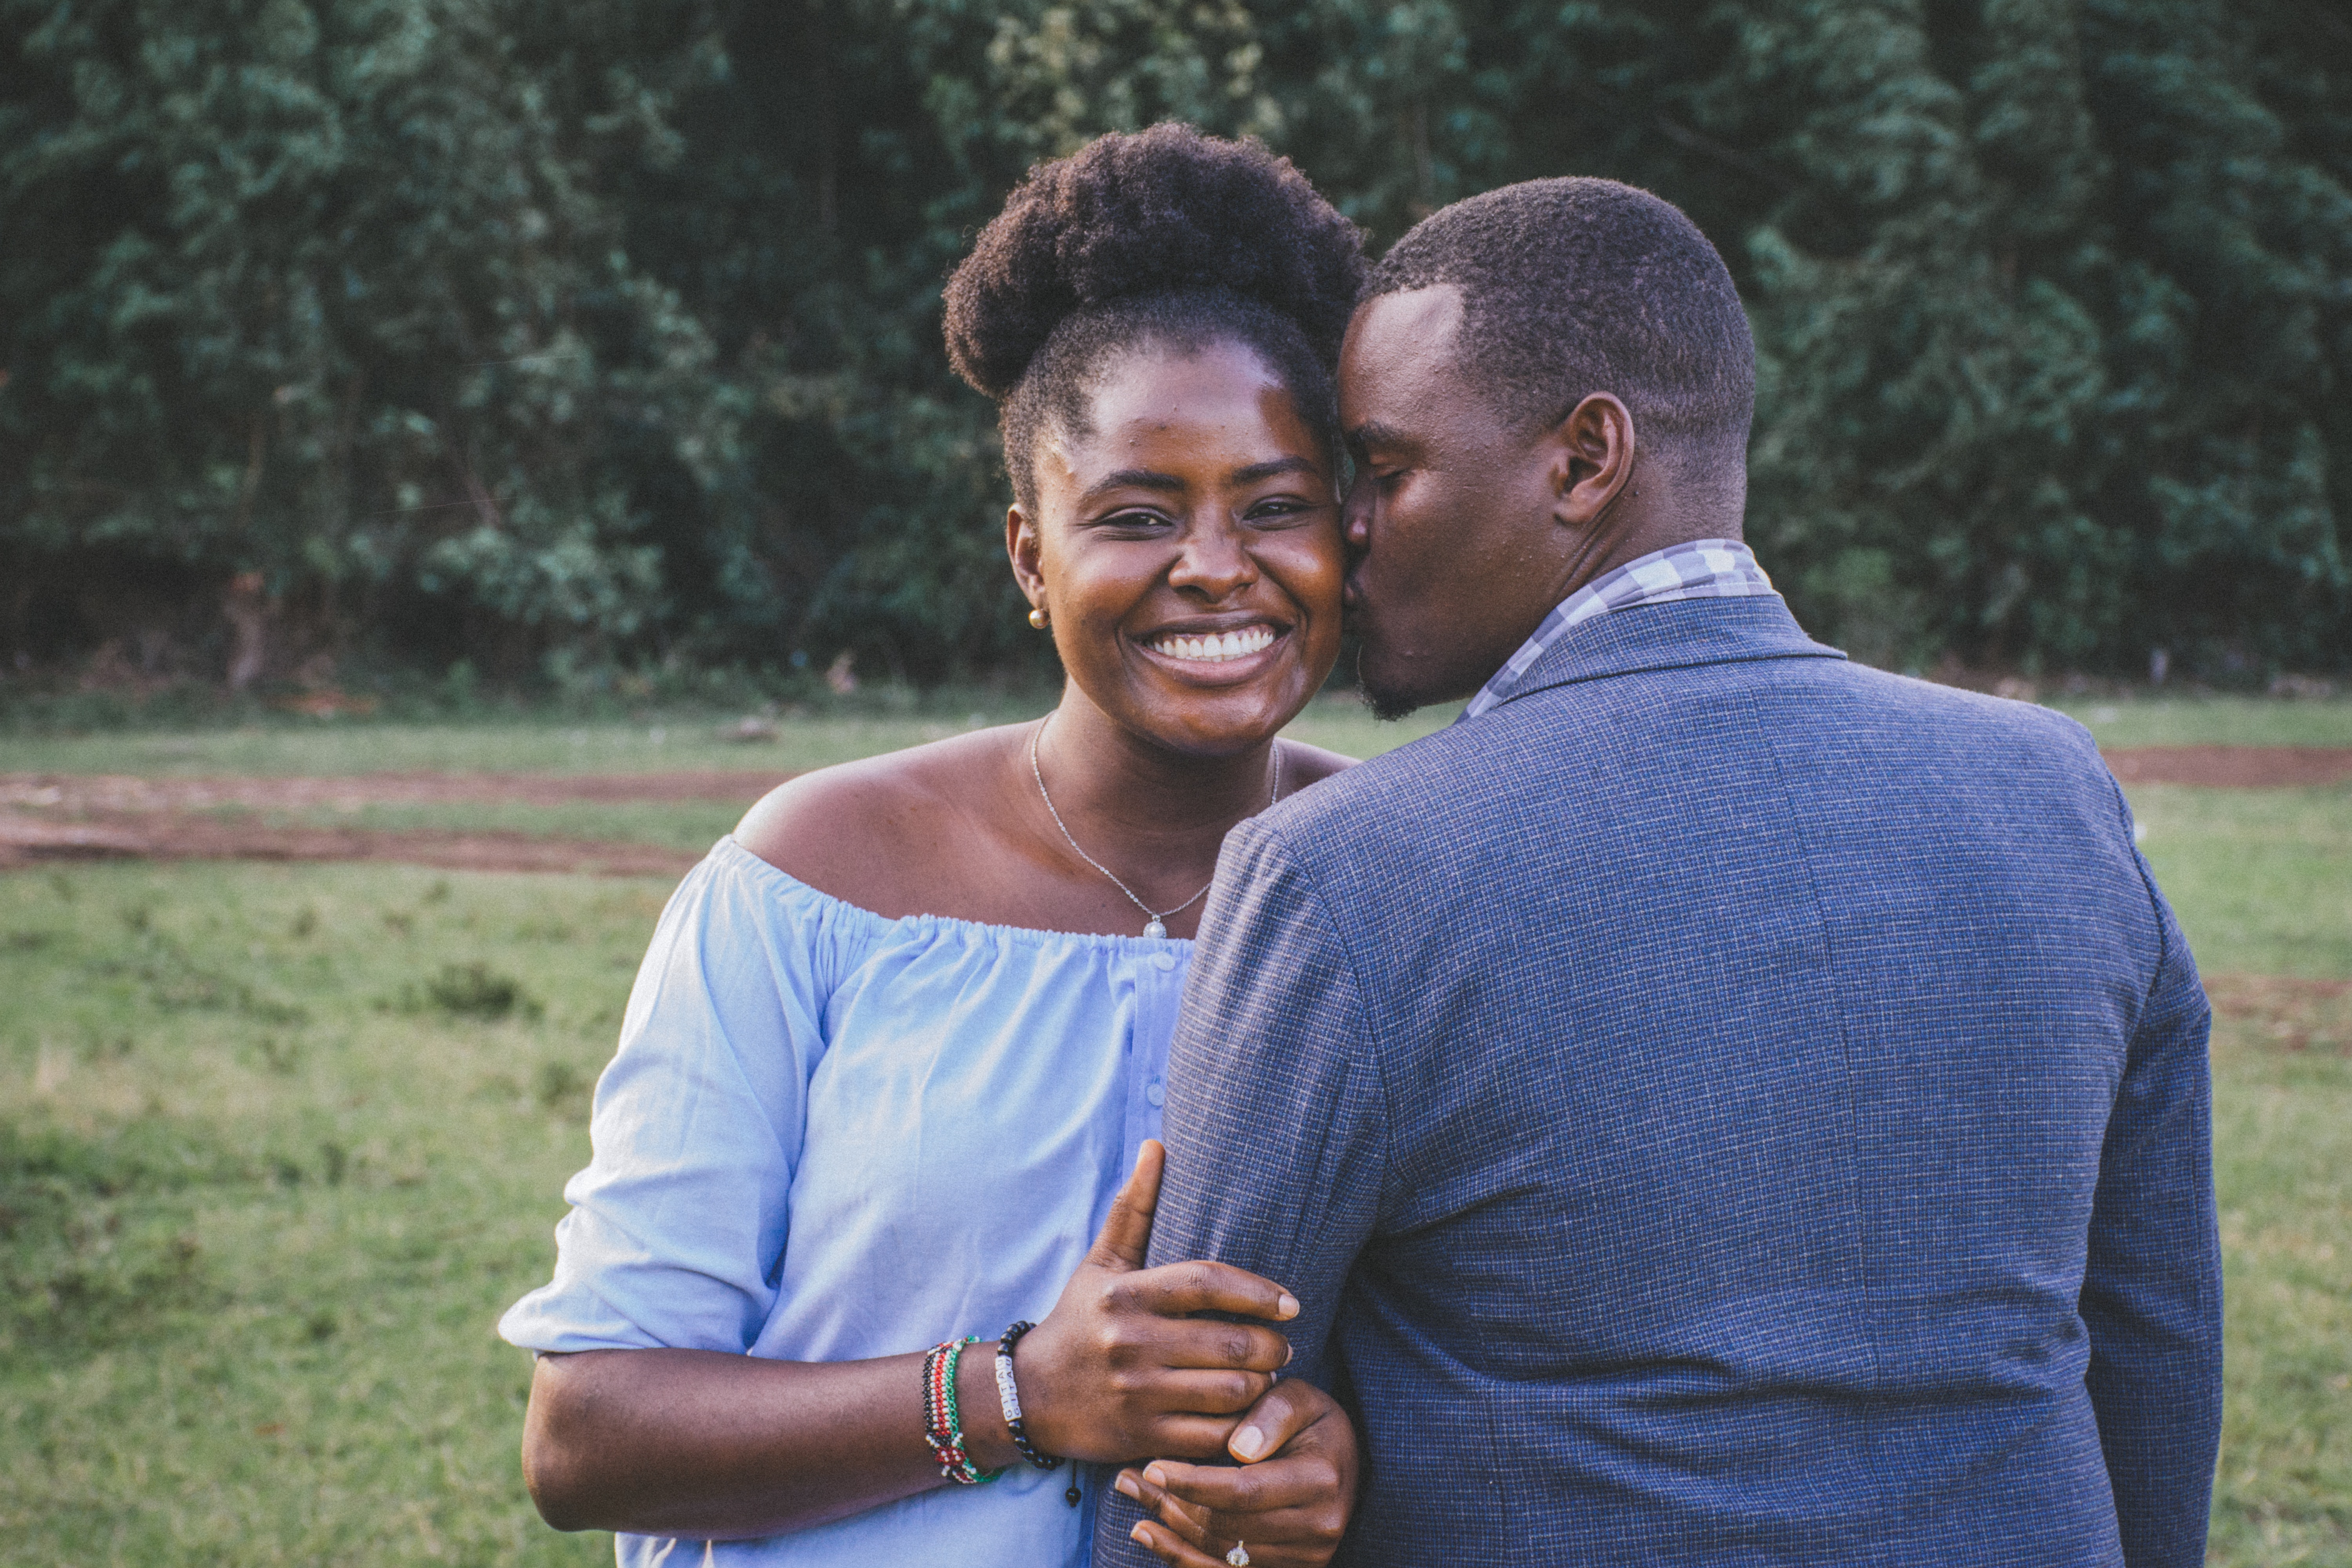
1277 1121
2152 1288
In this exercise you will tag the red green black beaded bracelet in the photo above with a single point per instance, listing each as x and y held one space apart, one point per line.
942 1425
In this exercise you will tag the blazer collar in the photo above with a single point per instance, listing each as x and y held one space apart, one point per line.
1681 633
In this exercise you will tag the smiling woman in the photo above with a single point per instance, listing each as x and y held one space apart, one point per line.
898 1039
1183 546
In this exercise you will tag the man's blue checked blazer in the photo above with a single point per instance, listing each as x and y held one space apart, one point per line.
1724 1106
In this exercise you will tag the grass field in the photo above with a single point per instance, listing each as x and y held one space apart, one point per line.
353 746
288 745
273 1155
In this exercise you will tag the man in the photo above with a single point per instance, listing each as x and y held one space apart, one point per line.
1716 1103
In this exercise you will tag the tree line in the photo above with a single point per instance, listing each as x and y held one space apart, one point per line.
569 337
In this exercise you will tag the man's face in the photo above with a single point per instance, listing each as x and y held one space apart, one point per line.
1450 516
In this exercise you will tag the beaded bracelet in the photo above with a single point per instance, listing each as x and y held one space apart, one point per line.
943 1424
1008 1398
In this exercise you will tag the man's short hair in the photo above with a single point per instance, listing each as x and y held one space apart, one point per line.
1571 286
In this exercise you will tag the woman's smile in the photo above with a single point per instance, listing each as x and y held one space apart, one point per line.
1223 654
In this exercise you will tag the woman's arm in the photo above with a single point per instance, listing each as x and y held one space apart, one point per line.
700 1442
712 1445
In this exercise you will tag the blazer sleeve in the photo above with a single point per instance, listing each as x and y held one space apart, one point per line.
2152 1288
1277 1125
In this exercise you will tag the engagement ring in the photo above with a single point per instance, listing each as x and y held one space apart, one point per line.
1238 1556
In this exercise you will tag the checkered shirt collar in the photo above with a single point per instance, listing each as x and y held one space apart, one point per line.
1701 569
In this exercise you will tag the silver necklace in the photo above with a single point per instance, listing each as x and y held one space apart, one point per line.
1154 920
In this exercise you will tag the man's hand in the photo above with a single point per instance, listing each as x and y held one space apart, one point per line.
1289 1504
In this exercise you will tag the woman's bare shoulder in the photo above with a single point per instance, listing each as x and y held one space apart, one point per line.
883 832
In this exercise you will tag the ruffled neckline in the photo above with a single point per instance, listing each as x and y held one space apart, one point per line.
730 850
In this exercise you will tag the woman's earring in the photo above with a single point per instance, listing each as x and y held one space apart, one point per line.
1038 617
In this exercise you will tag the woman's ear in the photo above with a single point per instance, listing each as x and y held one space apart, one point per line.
1021 544
1592 458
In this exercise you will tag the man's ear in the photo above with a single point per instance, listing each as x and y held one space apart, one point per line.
1592 458
1021 544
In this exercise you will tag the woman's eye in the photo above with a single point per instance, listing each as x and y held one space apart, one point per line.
1134 520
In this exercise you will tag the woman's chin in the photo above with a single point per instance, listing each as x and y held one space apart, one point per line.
1223 720
1236 725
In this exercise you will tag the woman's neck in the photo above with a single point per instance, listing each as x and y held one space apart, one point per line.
1148 811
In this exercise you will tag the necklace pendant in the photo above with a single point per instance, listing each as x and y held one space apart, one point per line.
1154 929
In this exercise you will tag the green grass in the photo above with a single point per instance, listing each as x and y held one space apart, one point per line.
2261 878
272 1157
365 746
1343 725
362 746
692 825
271 1164
2211 720
2283 1168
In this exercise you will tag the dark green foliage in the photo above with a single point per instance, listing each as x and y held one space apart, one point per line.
2068 395
333 292
588 334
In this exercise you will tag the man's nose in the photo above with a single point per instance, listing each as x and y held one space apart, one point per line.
1214 561
1356 512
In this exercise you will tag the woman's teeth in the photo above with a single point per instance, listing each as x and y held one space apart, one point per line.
1216 649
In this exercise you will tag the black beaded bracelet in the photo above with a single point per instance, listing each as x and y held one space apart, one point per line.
1008 1396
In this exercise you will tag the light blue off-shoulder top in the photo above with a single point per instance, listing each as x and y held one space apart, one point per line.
828 1136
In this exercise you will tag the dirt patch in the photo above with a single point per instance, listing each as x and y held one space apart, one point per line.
2282 1013
2233 767
45 817
73 793
26 840
48 817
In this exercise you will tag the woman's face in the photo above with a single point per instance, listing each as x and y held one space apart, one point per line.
1187 550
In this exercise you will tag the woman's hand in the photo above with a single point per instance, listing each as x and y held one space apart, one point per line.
1120 1368
1288 1503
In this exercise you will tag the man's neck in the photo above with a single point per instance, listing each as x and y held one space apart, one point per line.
1652 514
1688 569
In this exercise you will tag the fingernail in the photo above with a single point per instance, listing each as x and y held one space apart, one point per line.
1287 1306
1140 1536
1155 1475
1248 1443
1126 1486
1289 1353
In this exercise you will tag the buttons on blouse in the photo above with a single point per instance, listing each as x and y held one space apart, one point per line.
1163 961
1156 1092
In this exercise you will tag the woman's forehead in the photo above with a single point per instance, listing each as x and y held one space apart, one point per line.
1220 404
1151 385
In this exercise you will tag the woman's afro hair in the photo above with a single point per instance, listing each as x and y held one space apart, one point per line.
1167 211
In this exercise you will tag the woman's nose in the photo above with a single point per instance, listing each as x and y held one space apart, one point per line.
1214 562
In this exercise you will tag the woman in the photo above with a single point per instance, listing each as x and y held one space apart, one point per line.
899 1040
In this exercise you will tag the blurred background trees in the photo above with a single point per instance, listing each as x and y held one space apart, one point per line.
568 339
